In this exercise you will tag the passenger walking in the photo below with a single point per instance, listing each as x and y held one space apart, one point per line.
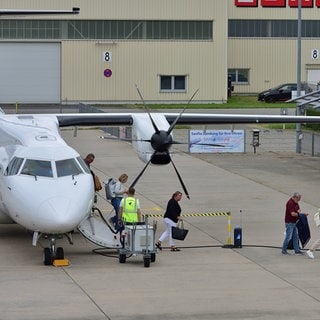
316 244
291 218
96 181
119 192
171 218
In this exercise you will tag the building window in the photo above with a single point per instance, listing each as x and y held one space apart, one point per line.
107 29
172 83
272 28
239 76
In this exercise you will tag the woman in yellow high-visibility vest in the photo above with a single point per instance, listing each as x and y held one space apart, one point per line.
129 210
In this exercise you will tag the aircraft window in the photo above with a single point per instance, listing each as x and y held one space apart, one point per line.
14 166
37 168
68 167
83 165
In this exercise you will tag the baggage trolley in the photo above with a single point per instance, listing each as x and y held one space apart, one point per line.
138 238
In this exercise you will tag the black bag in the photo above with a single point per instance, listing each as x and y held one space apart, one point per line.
178 232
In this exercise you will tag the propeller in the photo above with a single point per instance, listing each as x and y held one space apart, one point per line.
161 142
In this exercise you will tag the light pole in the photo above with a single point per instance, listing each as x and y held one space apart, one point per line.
298 109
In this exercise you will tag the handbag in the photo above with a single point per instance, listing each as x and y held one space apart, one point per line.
178 232
97 183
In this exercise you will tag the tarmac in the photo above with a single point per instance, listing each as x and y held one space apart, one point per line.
205 280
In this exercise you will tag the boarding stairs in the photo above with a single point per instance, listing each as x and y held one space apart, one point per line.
98 230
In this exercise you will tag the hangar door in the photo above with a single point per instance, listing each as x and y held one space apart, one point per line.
313 76
30 72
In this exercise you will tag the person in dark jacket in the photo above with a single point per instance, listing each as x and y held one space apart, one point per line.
291 218
171 218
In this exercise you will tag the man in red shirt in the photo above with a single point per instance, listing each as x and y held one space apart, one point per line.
291 217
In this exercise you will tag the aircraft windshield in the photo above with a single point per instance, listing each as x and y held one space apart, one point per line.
37 168
42 168
68 167
83 165
14 166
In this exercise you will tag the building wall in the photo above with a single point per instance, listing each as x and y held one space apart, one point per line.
140 62
271 61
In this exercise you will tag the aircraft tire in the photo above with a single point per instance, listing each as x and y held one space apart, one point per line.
146 262
60 253
47 257
153 257
122 258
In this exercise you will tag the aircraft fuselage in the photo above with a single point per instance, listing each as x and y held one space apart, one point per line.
44 184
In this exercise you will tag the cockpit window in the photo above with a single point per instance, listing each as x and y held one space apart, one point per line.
83 165
37 168
14 166
68 167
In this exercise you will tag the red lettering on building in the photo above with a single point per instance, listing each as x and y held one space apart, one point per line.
246 3
273 3
304 3
277 3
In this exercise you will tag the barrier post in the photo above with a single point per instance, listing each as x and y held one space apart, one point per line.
228 244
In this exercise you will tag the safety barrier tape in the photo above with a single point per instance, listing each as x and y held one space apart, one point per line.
209 214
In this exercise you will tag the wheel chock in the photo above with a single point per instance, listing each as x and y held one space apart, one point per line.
60 262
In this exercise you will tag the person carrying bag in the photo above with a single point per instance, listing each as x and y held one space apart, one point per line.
171 218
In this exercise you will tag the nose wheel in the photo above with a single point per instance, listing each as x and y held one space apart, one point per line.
50 254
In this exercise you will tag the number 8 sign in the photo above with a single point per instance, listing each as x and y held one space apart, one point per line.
107 56
315 54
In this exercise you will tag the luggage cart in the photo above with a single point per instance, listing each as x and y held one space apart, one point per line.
139 238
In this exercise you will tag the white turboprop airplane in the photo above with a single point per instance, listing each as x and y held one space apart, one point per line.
46 187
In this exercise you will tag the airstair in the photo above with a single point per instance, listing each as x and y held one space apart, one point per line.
96 229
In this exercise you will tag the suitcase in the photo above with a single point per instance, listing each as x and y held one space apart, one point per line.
237 242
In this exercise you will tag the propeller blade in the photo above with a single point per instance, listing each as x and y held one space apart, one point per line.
147 109
177 118
141 173
123 139
180 179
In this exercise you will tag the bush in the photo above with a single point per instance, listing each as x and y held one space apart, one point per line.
313 126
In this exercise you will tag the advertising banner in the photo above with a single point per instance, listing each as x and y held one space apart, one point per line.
216 141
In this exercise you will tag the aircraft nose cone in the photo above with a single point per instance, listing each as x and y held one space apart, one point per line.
60 214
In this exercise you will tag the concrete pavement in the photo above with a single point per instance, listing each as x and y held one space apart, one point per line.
203 280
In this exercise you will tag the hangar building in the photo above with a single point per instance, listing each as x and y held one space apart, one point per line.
167 48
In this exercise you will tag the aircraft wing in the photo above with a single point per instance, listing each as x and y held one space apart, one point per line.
117 119
36 12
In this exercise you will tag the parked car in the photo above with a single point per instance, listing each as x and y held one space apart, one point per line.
282 92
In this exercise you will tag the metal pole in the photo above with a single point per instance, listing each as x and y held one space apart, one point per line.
298 109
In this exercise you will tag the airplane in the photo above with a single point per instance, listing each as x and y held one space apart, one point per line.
46 187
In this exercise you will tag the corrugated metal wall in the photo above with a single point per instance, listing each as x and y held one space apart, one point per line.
139 62
271 61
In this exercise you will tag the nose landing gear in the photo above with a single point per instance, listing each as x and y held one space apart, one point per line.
51 254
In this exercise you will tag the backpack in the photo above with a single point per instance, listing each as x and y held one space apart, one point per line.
110 186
